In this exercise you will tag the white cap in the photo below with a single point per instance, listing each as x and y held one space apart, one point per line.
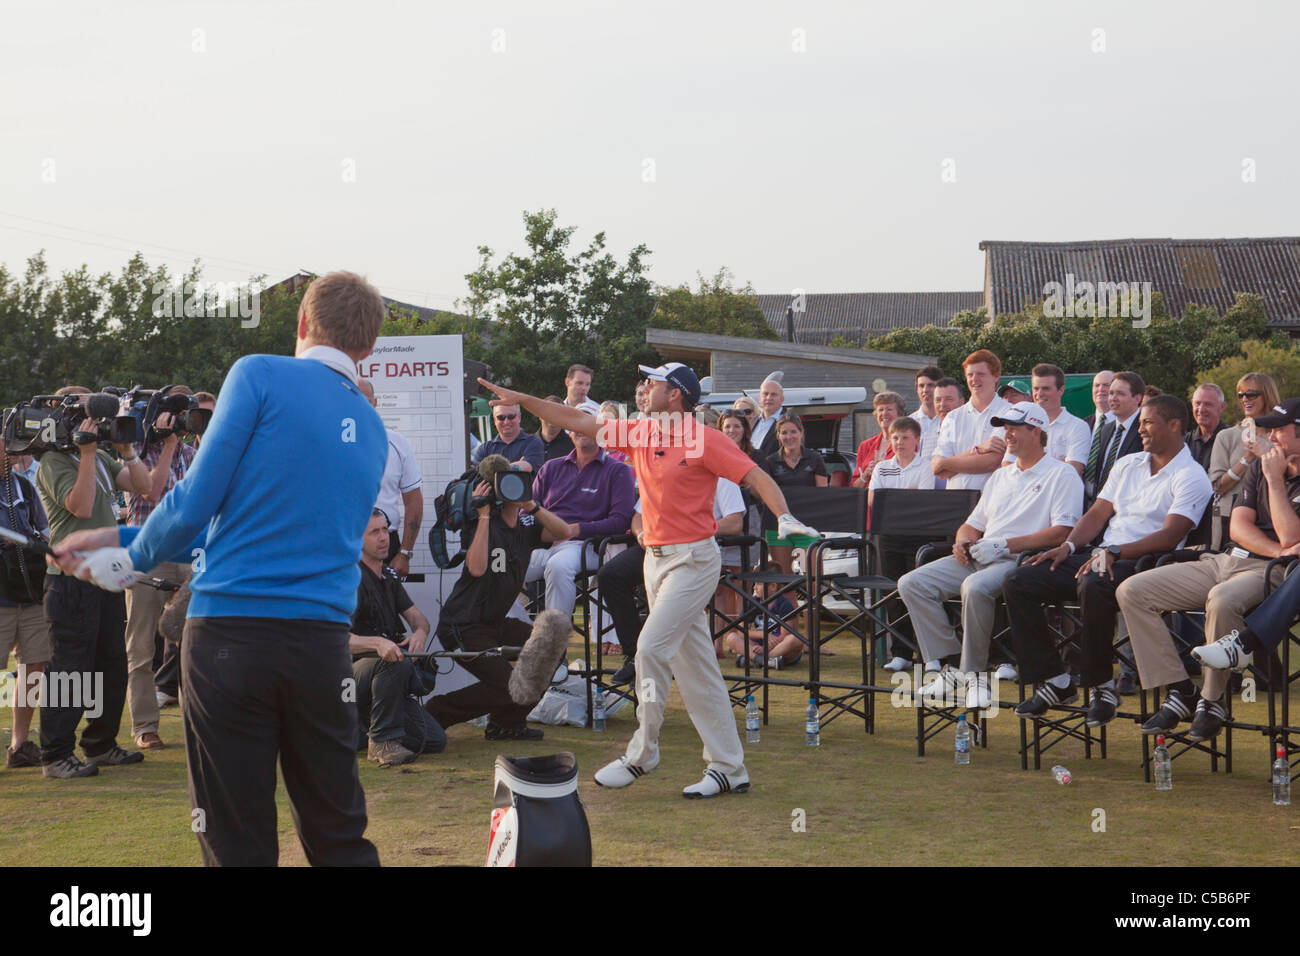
1022 413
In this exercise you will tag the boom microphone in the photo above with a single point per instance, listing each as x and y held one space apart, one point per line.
539 656
103 405
491 466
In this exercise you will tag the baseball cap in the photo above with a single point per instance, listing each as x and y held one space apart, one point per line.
678 376
1288 413
1021 413
1019 384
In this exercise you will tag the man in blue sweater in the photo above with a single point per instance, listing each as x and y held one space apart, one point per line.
277 503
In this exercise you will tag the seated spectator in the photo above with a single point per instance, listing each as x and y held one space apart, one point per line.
513 444
793 466
780 648
594 495
1031 504
906 470
1265 525
394 727
1207 411
1232 455
614 411
556 442
970 448
736 427
1151 501
886 407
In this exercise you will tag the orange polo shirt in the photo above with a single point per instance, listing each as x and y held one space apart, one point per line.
677 473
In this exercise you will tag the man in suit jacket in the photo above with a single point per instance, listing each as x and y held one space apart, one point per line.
1100 397
771 398
1119 436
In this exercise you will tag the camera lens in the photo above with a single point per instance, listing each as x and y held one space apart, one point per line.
511 487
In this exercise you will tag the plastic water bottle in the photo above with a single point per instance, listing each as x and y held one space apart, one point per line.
961 751
598 711
751 720
1281 779
1061 774
1164 765
812 724
480 721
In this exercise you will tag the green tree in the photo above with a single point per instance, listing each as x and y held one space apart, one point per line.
1282 363
716 309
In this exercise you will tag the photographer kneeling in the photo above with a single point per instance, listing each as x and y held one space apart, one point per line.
397 727
474 615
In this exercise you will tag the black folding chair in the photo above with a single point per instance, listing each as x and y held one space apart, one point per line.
1282 677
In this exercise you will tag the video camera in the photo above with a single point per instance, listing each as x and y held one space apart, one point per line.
53 422
186 415
455 508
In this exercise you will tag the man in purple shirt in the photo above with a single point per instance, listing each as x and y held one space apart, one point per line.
596 496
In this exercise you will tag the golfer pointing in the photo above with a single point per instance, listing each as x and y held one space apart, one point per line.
677 462
278 499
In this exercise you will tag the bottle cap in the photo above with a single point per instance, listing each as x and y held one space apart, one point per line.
1160 740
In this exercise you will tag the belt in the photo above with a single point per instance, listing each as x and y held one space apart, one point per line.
664 550
1243 553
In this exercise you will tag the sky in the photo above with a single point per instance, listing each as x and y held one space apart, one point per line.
830 147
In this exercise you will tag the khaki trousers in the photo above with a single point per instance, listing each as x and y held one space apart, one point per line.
675 643
144 606
1225 586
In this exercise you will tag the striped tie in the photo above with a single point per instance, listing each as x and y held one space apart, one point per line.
1090 472
1112 454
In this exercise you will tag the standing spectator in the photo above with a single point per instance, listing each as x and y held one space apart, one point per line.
168 460
771 401
947 398
736 427
23 627
794 466
927 416
556 442
642 398
1100 399
517 447
26 466
1232 455
887 406
401 489
734 423
577 386
1119 436
907 469
1015 391
970 448
1067 436
614 411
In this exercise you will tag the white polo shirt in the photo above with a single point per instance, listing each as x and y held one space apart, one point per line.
1142 500
890 474
1020 501
1068 439
962 430
401 475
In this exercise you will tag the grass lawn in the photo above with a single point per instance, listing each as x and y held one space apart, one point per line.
867 800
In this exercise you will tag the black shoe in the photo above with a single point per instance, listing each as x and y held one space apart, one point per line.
1104 704
26 754
115 756
1210 715
1045 695
69 768
1126 685
497 732
625 674
1174 710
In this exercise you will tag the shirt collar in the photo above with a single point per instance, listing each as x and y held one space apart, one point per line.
341 362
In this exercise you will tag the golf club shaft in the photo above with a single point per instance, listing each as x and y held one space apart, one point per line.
40 547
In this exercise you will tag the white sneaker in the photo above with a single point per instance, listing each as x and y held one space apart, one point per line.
933 667
166 700
1227 653
897 664
619 774
943 689
1006 672
714 783
978 696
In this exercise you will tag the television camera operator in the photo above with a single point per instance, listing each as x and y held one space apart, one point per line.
474 617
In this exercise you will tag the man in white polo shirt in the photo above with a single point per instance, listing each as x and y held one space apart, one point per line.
1031 504
927 416
1068 436
1152 500
970 447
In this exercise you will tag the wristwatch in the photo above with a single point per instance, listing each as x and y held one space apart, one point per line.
409 553
534 510
1114 550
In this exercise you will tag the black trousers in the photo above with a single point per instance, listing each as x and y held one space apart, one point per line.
897 557
261 688
1029 588
87 669
491 695
386 709
167 678
618 579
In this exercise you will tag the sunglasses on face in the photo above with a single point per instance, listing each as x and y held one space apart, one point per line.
1242 396
745 411
505 418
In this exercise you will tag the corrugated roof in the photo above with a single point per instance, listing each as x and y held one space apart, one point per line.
1202 271
857 314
